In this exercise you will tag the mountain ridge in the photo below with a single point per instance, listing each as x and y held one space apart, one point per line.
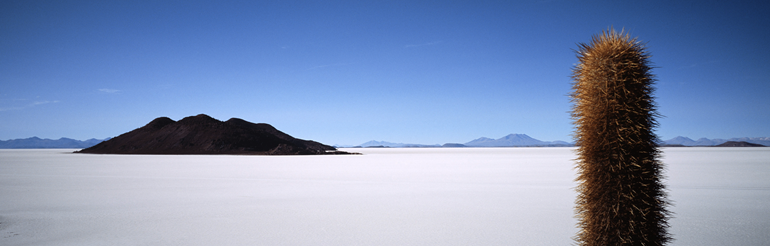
510 140
515 140
68 143
524 140
46 143
375 143
685 141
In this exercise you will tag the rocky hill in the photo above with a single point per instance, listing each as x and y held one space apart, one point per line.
202 134
738 144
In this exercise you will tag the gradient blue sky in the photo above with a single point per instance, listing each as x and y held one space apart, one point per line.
346 72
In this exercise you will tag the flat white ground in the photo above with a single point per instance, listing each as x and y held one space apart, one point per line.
418 196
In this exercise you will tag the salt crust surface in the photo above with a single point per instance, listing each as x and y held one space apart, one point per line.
415 196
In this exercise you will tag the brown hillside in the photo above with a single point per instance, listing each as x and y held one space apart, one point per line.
738 144
202 134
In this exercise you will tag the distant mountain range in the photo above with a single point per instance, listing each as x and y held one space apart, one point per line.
511 140
523 140
38 143
375 144
685 141
514 140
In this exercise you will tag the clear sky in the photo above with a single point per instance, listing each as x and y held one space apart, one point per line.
346 72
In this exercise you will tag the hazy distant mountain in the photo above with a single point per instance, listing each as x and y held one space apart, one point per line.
712 142
482 141
689 142
38 143
374 143
513 140
680 141
709 142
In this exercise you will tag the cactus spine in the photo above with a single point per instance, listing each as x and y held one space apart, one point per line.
621 199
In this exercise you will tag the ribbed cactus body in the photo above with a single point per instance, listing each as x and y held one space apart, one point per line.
621 198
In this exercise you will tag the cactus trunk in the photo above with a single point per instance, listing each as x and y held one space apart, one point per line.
621 197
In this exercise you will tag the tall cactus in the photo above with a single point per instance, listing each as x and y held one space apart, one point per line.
621 198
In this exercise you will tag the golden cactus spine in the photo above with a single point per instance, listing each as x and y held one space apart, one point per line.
621 200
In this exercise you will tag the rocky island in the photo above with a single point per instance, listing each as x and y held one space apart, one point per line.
738 144
202 134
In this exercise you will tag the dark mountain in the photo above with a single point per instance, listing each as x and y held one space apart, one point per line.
759 140
453 145
738 144
38 143
513 140
202 134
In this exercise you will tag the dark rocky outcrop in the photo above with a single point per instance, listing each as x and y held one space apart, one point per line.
738 144
673 145
453 145
202 134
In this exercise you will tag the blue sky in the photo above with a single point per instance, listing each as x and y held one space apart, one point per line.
346 72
